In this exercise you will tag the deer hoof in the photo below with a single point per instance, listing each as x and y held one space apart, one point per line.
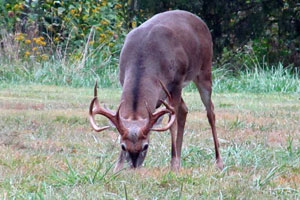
175 164
220 164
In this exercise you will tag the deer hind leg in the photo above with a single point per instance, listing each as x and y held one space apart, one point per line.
204 88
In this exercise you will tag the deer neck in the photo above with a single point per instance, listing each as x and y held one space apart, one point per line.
137 92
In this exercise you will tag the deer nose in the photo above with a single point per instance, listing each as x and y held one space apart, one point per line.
134 158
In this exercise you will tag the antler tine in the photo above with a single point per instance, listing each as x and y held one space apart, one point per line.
95 89
119 108
171 121
118 123
169 109
149 111
163 111
165 89
95 94
114 118
92 113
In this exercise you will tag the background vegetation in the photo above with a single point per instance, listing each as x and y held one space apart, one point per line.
268 28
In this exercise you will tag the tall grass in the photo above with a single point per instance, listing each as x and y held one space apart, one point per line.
58 73
59 65
257 79
80 70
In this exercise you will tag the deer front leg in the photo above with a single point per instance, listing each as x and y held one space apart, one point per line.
181 118
175 160
176 130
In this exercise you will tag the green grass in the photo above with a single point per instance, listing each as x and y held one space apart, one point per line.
48 150
98 64
258 79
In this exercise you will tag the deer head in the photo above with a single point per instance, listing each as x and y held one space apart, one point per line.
134 133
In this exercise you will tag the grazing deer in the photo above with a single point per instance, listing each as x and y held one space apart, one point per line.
157 60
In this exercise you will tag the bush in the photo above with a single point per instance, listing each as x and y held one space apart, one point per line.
33 30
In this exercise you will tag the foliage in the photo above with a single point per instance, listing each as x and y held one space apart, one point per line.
271 26
33 30
69 42
65 26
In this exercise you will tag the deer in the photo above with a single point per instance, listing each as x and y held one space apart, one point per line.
157 60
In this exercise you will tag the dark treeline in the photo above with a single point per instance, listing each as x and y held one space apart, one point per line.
270 27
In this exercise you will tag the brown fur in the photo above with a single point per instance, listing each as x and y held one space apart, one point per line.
173 47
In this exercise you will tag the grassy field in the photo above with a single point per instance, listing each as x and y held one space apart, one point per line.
48 150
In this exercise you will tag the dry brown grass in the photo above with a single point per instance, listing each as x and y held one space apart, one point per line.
48 149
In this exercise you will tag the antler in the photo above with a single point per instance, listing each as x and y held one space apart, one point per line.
114 118
154 117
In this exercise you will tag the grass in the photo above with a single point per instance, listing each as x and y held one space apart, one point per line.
258 80
48 150
83 73
59 72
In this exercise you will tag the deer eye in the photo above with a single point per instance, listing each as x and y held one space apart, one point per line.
145 147
123 146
